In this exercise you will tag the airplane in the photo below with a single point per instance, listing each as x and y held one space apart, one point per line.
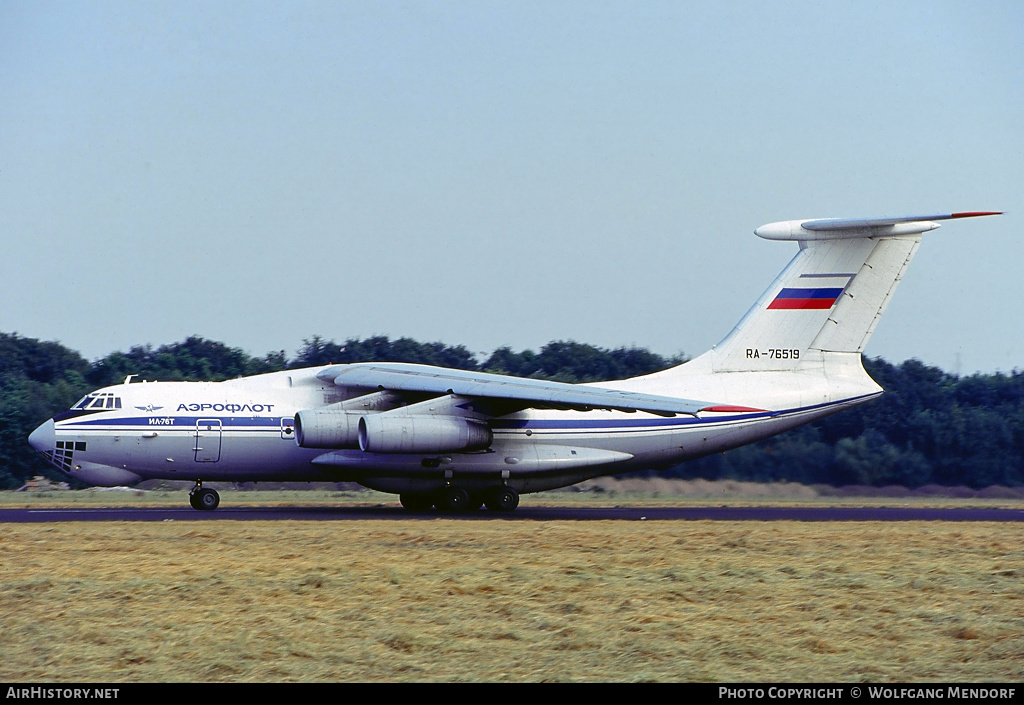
458 440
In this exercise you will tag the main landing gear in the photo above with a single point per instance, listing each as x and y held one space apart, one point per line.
203 498
457 499
501 499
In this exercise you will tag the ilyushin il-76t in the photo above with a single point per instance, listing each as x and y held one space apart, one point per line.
458 440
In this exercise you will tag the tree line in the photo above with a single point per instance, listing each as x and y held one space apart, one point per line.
930 427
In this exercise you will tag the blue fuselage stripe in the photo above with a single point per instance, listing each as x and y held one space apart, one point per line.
274 423
179 422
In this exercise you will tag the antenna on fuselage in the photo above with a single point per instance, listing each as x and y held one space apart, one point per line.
128 379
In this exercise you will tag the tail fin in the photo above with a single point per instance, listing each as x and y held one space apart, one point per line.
830 296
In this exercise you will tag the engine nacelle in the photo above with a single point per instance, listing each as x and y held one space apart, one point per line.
321 428
383 433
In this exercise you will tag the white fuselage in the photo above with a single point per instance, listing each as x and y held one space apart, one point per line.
243 430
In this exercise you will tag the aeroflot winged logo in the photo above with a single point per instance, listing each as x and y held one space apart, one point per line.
817 291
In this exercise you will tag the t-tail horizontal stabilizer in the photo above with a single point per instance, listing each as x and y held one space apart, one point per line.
832 228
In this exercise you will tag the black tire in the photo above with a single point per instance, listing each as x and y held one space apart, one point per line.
502 499
205 500
453 499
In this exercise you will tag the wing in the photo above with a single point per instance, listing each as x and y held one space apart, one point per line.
402 377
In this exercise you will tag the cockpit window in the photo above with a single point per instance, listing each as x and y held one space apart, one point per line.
98 401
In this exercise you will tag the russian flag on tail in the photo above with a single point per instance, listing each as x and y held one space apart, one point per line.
819 292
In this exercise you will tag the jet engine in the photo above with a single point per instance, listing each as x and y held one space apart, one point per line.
320 428
384 433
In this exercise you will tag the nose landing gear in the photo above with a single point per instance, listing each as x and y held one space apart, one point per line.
203 498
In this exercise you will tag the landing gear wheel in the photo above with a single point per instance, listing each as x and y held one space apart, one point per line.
502 499
453 499
204 499
416 501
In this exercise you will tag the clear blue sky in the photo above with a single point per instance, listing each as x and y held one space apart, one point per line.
497 173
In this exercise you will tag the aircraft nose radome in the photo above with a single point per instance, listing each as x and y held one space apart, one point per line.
43 438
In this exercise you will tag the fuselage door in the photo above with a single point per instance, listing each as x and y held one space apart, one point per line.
208 437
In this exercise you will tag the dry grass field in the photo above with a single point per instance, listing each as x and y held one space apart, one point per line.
451 599
454 600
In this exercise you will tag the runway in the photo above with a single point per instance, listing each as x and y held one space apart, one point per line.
524 513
